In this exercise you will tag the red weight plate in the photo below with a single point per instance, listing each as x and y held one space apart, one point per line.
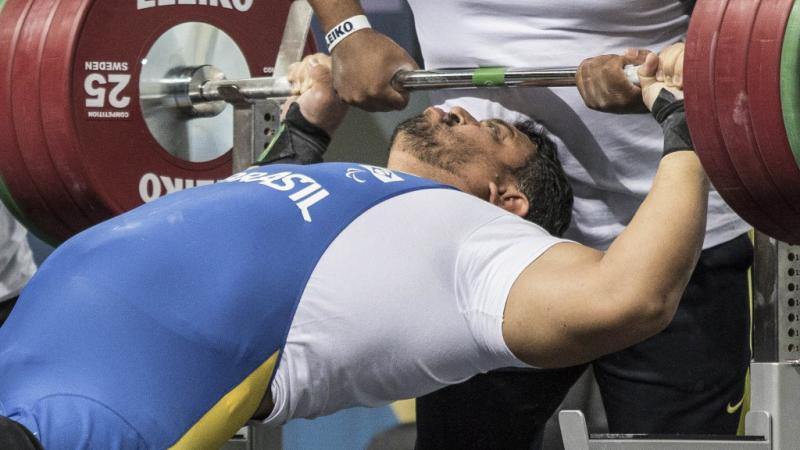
733 113
28 121
10 25
14 172
764 93
57 108
109 158
699 67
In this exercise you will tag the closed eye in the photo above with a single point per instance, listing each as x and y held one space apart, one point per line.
495 132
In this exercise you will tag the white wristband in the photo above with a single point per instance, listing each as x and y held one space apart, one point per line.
344 29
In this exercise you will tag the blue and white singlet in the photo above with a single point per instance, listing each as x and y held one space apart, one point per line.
339 284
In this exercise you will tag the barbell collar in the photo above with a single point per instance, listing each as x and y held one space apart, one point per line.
190 98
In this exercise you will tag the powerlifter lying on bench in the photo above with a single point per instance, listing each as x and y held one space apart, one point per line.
294 291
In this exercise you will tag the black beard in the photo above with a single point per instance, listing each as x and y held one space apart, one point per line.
418 132
421 139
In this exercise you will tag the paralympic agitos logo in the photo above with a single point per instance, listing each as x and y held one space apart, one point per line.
238 5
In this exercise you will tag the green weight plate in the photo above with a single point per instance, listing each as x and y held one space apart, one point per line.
790 81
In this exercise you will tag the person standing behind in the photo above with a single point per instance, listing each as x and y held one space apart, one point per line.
689 379
16 261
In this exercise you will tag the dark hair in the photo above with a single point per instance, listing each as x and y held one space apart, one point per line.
543 181
15 435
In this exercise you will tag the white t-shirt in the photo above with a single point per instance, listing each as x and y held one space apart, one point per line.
407 299
610 159
16 260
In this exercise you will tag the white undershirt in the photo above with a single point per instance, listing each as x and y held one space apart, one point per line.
408 299
610 159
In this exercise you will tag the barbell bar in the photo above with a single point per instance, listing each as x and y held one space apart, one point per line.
206 84
417 80
127 102
198 87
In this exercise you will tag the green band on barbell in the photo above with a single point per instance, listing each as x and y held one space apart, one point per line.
489 76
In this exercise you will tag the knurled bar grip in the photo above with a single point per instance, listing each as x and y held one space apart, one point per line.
416 80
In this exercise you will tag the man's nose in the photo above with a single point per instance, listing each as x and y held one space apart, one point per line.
464 118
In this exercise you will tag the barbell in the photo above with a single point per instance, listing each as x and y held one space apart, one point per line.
81 136
107 105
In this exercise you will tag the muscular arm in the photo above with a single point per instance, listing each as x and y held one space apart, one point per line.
575 304
365 62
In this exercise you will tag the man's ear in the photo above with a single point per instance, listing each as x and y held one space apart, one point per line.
510 198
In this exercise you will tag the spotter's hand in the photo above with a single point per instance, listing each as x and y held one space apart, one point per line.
363 67
604 87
